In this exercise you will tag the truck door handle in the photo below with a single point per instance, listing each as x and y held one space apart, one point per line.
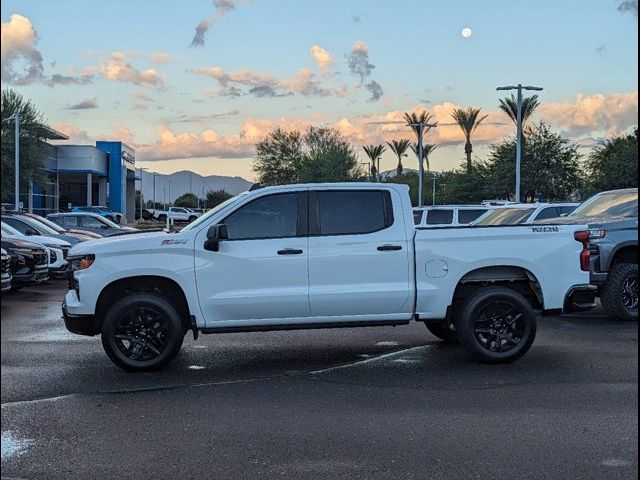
384 248
289 251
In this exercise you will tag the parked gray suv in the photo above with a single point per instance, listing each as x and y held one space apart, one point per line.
613 238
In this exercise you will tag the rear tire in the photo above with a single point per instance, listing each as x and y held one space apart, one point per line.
620 294
448 335
192 218
162 218
496 325
142 332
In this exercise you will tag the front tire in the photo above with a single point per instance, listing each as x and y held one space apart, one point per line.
142 332
620 294
496 325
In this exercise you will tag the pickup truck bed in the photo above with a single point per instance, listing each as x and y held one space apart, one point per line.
318 256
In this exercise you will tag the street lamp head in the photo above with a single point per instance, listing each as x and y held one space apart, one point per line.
533 88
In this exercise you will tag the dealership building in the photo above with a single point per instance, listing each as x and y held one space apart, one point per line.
84 175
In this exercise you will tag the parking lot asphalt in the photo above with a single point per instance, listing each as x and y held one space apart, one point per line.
350 403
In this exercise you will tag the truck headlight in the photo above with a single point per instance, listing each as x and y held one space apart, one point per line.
80 262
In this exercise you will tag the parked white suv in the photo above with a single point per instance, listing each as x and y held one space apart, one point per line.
441 216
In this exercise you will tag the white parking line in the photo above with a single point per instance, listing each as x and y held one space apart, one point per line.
369 360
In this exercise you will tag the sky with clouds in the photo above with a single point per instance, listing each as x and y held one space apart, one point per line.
193 85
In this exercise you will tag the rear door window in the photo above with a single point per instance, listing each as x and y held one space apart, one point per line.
67 221
91 222
567 209
468 215
352 212
549 212
440 217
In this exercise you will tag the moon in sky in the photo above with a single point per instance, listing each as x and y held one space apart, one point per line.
467 32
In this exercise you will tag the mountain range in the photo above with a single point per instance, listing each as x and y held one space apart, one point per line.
170 187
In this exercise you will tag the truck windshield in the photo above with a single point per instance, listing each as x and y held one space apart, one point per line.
505 216
610 204
53 226
213 211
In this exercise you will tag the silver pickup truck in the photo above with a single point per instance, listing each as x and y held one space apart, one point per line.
612 218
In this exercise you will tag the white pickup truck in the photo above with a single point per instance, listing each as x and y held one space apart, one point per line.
319 256
178 214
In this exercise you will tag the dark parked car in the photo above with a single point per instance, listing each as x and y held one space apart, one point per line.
105 212
613 230
29 263
5 270
29 226
80 234
88 221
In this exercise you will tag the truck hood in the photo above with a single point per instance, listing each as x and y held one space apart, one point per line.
594 222
127 243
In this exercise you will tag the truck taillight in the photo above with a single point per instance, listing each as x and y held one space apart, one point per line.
585 254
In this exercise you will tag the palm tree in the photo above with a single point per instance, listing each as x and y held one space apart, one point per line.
427 149
399 147
509 106
413 118
374 152
468 119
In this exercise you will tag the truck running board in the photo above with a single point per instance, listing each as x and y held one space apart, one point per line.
304 326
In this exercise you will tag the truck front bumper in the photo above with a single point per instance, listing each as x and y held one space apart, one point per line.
80 324
580 298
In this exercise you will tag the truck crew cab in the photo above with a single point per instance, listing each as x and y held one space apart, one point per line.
319 256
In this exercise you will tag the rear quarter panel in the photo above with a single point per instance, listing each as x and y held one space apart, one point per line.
445 256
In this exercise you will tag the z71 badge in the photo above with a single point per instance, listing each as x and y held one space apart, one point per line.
544 229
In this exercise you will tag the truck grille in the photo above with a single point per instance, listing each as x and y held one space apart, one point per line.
65 252
6 264
39 257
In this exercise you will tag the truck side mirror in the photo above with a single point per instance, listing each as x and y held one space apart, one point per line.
215 234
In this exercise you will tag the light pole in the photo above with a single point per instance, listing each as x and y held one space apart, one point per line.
154 189
16 118
141 195
421 126
433 200
368 164
518 87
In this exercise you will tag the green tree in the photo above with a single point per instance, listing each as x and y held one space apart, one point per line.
509 106
327 157
214 198
399 147
322 154
458 187
33 132
374 152
150 205
277 157
550 166
613 164
427 149
468 119
188 200
413 118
